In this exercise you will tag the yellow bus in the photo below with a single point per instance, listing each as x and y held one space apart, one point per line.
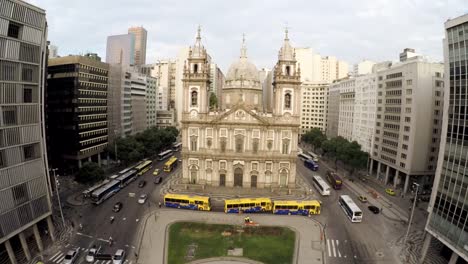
248 205
296 207
170 164
187 202
144 167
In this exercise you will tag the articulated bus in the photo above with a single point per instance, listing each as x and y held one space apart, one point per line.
184 201
248 205
321 185
350 208
176 146
296 207
106 191
165 154
312 165
170 164
314 156
334 180
127 177
144 167
87 193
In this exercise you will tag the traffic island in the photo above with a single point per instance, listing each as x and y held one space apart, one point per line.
190 241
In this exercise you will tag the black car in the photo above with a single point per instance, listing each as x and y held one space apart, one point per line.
158 180
142 184
117 207
374 209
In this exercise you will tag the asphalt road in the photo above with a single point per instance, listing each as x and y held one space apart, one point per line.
95 219
349 242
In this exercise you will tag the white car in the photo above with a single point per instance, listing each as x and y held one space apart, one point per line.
119 257
142 198
71 257
91 253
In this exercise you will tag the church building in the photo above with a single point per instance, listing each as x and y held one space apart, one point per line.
240 144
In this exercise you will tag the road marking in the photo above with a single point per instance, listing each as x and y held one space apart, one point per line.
67 245
338 249
108 262
328 246
103 240
81 234
54 255
334 250
60 260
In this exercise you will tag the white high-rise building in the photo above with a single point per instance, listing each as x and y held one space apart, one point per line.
313 106
363 67
317 69
151 100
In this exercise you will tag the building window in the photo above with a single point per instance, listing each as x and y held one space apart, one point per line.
195 68
28 152
404 146
9 115
287 101
255 145
194 98
20 194
239 144
14 30
403 155
285 148
193 143
407 119
223 144
288 70
209 142
270 144
402 164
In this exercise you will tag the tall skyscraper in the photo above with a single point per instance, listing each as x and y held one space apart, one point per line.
24 195
448 207
140 44
120 49
77 110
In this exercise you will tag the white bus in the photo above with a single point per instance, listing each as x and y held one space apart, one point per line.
314 156
105 192
321 185
350 208
176 146
304 157
165 154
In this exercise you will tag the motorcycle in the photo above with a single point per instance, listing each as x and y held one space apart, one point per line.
112 219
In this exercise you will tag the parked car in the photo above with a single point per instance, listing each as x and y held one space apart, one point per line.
70 257
117 207
119 257
390 191
362 198
141 184
92 252
156 172
374 209
142 198
158 180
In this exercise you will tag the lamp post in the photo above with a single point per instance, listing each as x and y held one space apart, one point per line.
412 212
58 196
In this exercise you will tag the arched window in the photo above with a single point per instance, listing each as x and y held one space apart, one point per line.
287 101
194 98
285 148
288 70
195 68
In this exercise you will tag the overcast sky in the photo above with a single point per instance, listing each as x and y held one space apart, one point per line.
351 30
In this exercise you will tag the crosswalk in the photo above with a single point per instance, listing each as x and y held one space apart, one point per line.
333 248
59 256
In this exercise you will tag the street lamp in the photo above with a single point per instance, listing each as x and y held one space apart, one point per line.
412 212
58 196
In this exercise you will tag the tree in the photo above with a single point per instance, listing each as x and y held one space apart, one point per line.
130 150
90 172
314 137
213 101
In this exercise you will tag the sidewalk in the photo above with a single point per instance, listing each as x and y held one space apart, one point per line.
152 246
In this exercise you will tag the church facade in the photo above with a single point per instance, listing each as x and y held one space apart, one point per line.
239 144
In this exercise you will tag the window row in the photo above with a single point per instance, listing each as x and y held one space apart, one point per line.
15 155
14 71
15 93
14 50
19 135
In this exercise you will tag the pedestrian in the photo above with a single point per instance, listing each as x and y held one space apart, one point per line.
160 204
81 226
381 209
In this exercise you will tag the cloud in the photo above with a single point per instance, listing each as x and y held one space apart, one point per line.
350 30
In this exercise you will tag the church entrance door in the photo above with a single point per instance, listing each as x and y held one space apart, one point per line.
222 179
238 175
253 181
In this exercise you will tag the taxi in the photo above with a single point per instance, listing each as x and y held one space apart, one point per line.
156 172
390 191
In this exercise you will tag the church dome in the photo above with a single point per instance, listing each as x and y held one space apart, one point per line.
243 73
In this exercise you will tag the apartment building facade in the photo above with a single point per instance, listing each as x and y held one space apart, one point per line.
139 52
25 202
313 106
448 207
408 121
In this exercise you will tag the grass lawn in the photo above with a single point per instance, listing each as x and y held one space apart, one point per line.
272 245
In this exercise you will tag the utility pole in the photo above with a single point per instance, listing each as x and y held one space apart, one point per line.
412 212
58 196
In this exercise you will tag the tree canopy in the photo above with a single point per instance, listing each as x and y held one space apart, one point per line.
90 172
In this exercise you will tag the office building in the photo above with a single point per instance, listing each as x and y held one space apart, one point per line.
408 121
217 80
138 96
76 110
319 70
120 49
139 53
313 106
53 51
151 100
363 67
24 178
448 207
165 118
333 109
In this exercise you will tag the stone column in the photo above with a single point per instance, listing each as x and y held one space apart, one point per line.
395 179
425 247
38 238
11 253
51 228
371 166
25 247
405 188
378 169
453 258
386 174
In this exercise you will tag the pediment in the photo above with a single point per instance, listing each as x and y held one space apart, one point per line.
240 114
